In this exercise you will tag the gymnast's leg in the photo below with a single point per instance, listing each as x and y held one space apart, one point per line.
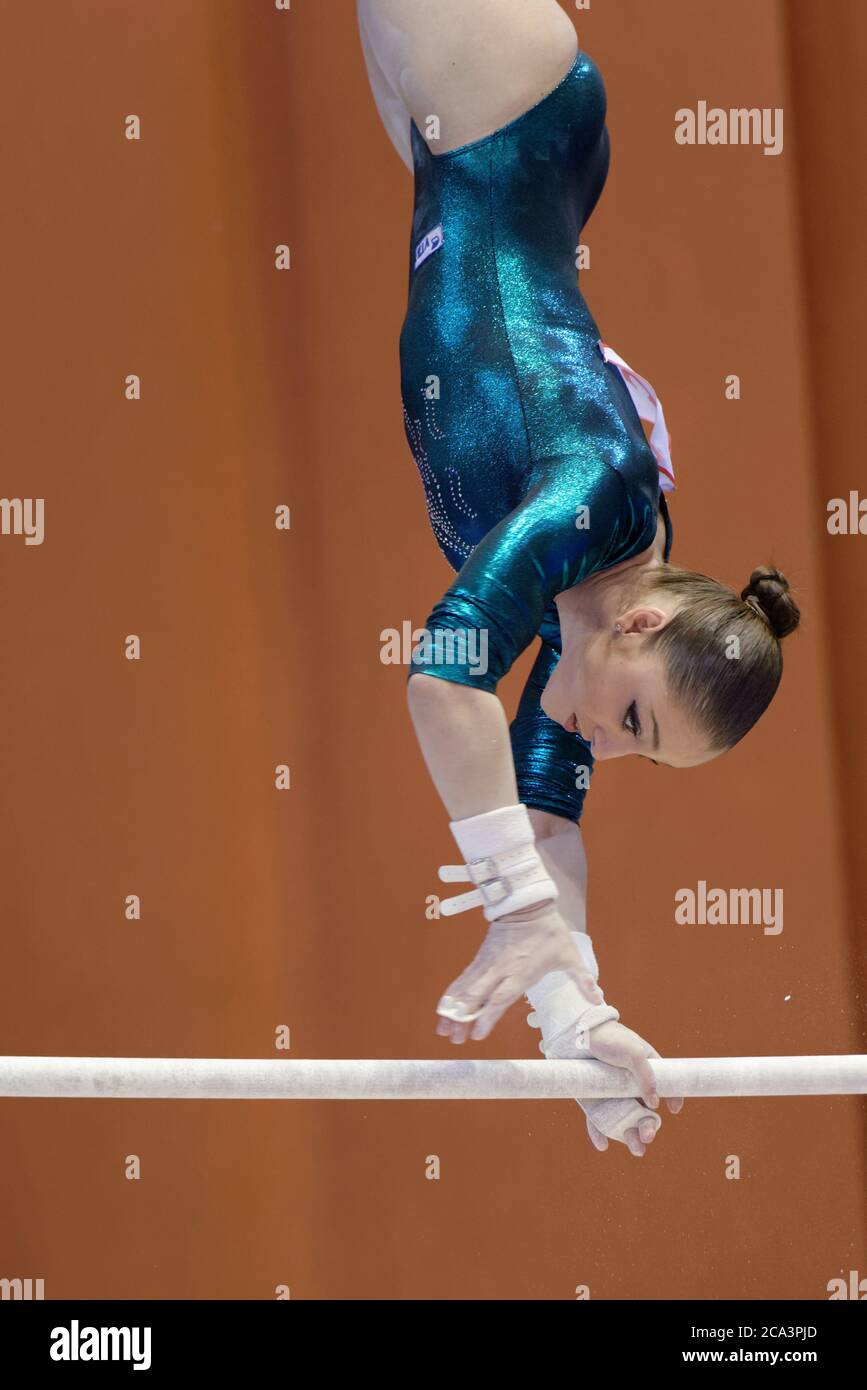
474 65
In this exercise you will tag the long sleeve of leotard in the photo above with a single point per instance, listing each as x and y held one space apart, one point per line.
552 767
579 515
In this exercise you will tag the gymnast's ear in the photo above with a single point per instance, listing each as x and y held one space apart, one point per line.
642 617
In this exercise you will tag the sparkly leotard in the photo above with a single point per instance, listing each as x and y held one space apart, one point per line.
534 462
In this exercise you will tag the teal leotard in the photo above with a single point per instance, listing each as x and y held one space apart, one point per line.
533 459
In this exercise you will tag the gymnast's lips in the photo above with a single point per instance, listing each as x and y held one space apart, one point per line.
573 727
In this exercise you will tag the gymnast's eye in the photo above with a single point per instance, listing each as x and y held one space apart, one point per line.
635 727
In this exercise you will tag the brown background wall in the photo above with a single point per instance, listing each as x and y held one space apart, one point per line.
306 908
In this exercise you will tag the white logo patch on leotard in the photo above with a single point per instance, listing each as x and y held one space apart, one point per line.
430 242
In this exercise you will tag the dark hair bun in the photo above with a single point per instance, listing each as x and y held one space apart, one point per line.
768 593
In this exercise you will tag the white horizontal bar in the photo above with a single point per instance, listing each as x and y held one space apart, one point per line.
231 1078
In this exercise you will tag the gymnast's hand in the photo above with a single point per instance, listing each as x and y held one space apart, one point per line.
619 1046
517 951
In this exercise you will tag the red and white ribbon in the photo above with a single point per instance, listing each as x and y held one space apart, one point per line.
649 408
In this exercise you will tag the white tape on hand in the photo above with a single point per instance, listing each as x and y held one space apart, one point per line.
565 1018
564 1015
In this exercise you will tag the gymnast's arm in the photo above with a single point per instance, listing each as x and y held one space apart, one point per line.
464 738
485 619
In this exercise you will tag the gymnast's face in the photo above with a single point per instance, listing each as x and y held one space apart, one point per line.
612 691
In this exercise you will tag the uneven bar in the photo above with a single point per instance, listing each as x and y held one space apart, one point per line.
232 1078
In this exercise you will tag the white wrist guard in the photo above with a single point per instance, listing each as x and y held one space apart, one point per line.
561 1010
502 860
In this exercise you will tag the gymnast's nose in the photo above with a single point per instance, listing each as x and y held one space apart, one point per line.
590 732
604 745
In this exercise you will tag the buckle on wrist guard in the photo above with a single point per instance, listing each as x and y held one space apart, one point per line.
493 885
494 890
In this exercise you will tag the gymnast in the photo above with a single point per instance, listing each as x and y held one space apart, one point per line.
547 498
